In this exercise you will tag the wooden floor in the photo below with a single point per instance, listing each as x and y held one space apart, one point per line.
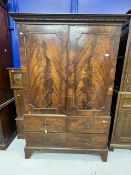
12 162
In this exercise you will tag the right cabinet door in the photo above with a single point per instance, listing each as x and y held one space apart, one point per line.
92 62
123 129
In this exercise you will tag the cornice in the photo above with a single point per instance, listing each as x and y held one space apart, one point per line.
70 18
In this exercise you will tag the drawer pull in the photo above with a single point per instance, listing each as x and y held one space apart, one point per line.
88 125
104 121
46 126
87 141
45 131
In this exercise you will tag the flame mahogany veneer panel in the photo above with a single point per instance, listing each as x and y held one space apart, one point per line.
69 69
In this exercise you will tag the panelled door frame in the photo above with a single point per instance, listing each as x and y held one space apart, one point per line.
76 32
25 34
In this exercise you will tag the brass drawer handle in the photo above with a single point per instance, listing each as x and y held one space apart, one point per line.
45 131
88 125
87 141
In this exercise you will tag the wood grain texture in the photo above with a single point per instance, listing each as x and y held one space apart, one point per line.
125 100
54 123
102 152
126 74
88 124
121 131
68 64
45 123
53 63
20 128
18 94
94 141
46 63
92 63
18 84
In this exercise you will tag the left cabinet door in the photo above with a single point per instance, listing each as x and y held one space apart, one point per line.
43 50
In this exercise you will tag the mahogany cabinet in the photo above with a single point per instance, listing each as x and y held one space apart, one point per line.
7 104
63 90
121 135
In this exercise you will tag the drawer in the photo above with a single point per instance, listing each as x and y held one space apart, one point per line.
126 86
46 123
88 124
91 141
16 79
125 100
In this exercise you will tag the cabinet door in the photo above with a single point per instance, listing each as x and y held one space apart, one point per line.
44 62
123 127
126 77
91 71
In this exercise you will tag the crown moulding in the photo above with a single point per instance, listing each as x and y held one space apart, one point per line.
69 18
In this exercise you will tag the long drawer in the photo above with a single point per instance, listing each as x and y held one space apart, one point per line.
50 123
40 139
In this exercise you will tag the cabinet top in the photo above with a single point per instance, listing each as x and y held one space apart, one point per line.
69 18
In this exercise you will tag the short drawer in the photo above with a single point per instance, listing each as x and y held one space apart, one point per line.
91 141
88 124
125 100
45 123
